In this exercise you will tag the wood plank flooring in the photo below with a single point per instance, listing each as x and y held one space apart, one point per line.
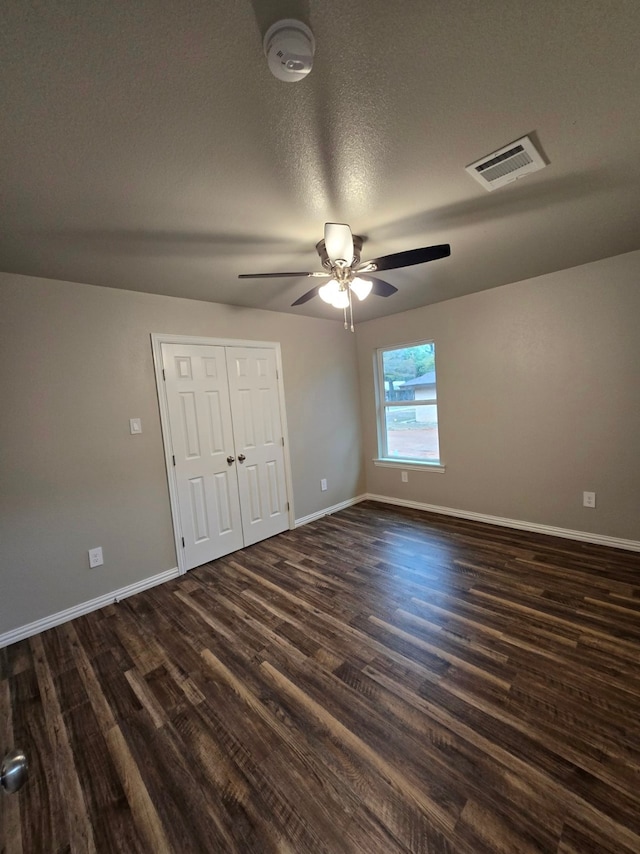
381 680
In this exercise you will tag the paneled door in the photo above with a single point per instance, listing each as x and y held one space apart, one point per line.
197 392
257 430
226 443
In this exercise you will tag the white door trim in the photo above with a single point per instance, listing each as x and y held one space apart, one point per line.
157 340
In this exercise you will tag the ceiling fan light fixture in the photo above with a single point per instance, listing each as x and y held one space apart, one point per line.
329 291
339 253
341 299
338 240
361 288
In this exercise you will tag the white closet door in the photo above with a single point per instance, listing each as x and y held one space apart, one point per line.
197 392
257 430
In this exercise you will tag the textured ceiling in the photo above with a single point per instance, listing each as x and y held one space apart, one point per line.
146 145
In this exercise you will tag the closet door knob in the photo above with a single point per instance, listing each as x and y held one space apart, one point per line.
231 460
241 458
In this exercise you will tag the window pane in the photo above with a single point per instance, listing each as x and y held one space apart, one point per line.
412 432
409 373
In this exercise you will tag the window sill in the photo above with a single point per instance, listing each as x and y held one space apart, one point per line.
408 464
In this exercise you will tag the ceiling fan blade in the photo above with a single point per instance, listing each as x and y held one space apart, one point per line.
306 297
338 242
276 275
380 287
409 258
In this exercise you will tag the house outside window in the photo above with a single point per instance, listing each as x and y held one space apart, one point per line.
408 404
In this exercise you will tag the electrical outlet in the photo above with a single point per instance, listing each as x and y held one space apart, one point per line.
404 476
588 499
95 557
323 484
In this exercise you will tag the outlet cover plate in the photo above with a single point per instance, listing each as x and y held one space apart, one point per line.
95 557
323 484
588 499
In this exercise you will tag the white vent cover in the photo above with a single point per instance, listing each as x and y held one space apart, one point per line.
507 164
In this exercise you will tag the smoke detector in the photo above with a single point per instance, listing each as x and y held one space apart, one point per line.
289 46
507 164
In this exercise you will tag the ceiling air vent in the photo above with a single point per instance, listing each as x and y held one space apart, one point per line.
507 164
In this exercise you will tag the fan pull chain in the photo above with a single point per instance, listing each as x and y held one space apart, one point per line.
346 325
350 307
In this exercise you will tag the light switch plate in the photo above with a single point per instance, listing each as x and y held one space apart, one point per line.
135 425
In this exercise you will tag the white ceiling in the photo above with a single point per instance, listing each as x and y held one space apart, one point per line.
146 146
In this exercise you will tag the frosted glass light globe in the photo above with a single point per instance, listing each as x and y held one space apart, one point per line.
361 288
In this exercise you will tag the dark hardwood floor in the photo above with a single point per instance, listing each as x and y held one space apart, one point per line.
381 680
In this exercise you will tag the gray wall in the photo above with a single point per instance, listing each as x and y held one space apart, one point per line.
539 399
76 365
537 384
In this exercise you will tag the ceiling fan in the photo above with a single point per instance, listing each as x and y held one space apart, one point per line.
340 256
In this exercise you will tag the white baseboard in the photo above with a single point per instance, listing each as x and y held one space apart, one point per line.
329 510
45 623
534 527
49 622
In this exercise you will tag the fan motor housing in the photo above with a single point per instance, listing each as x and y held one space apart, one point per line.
321 249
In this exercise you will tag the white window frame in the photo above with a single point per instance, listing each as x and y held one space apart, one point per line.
383 459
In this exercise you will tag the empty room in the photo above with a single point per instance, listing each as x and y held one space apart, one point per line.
320 433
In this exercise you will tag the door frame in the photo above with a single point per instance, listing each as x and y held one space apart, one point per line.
157 340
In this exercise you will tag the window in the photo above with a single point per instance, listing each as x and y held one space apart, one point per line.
408 405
